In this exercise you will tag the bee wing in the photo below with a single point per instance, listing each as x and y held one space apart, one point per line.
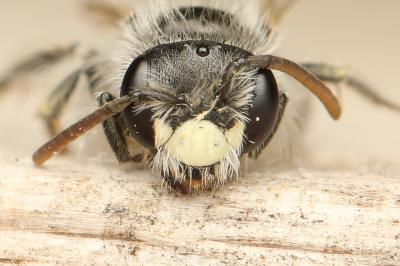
106 13
277 8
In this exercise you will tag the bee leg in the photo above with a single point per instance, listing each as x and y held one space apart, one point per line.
339 74
283 100
36 63
113 129
51 109
107 13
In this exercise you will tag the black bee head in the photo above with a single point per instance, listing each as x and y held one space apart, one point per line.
183 113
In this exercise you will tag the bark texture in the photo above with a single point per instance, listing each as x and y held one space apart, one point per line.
70 215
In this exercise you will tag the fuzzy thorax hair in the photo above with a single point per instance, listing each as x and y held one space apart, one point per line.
248 30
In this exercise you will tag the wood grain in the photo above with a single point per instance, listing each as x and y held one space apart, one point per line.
68 215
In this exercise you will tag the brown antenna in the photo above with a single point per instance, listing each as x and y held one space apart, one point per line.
60 141
299 73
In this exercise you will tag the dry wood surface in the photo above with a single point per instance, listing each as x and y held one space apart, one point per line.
75 216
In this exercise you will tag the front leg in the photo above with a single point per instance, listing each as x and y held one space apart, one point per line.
114 129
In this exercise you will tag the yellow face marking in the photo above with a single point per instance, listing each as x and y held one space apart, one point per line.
235 135
198 143
162 132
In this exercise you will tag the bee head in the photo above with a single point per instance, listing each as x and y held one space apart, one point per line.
196 102
197 129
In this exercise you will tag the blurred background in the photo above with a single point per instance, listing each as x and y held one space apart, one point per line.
363 34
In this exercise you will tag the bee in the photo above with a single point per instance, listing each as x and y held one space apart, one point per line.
192 90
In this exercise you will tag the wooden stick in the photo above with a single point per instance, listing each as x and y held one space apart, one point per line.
95 214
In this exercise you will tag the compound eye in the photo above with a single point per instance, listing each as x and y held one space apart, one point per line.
263 111
139 124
